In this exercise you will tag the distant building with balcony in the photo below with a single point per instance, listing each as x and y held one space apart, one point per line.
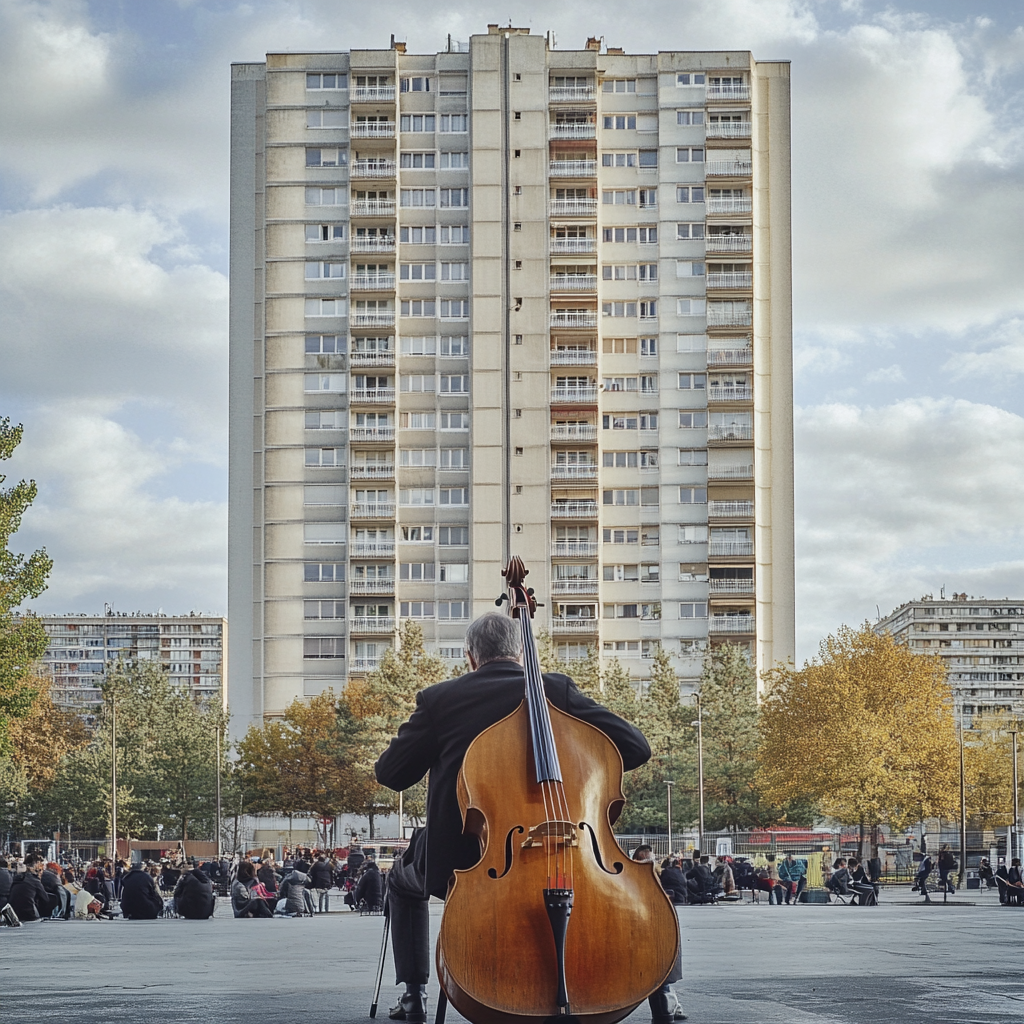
507 299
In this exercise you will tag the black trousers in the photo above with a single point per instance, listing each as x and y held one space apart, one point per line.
408 908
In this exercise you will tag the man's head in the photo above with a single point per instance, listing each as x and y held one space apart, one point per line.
493 637
34 864
644 854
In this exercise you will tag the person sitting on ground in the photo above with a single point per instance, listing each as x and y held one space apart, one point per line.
673 881
243 902
50 877
295 898
921 878
793 876
266 873
87 906
193 896
839 883
28 897
1015 883
702 882
320 881
5 880
139 899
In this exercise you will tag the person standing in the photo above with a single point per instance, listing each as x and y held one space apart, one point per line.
947 865
921 879
321 881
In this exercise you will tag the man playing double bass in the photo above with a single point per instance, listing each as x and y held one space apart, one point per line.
448 717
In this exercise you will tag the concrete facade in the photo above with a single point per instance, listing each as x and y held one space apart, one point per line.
507 299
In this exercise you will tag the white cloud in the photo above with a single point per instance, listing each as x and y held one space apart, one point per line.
1003 355
886 375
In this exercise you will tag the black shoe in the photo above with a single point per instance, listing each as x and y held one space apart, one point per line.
412 1007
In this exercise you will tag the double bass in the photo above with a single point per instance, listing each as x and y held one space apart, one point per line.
553 923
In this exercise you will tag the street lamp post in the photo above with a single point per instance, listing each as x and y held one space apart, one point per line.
669 784
218 790
699 724
113 778
963 806
1015 846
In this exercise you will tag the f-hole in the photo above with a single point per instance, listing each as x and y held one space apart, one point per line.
617 865
518 829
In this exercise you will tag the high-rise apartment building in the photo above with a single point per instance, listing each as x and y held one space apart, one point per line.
83 649
507 298
980 642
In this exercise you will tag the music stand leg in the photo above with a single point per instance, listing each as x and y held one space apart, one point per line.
442 1006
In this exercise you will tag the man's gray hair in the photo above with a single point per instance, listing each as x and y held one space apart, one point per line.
494 636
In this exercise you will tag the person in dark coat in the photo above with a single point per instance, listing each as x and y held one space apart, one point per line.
193 896
28 899
321 880
267 875
243 903
673 881
55 889
447 718
5 880
370 887
139 899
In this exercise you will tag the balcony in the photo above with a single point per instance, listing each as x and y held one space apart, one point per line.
574 510
573 320
740 280
372 283
574 474
373 510
373 94
728 243
570 93
578 586
574 549
561 395
573 357
572 625
372 130
573 131
378 318
372 434
372 472
730 548
364 664
731 509
728 130
572 168
373 208
728 169
731 586
575 432
374 549
742 204
730 472
573 207
731 432
573 283
727 92
572 246
373 358
372 169
731 624
730 393
718 317
377 586
371 624
373 243
730 356
372 396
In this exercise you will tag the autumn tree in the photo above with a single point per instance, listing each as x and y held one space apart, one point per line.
22 637
866 731
988 768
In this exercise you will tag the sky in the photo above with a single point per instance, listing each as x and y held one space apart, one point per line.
908 238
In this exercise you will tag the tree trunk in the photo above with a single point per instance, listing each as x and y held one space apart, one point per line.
370 816
860 841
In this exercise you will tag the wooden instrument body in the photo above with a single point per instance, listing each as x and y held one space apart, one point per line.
496 955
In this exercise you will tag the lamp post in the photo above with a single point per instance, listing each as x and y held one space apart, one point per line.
1015 847
218 790
669 784
963 805
699 725
113 777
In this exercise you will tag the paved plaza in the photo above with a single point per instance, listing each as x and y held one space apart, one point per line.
744 964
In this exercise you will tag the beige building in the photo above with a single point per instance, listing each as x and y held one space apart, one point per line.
507 298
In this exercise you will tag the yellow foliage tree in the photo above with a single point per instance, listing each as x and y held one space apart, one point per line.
866 731
988 769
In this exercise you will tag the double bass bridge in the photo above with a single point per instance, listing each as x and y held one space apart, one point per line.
559 832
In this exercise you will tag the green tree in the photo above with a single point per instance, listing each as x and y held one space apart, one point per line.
22 637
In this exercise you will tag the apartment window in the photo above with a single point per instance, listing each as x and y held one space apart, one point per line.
325 232
425 197
453 611
454 345
326 81
619 346
326 157
643 236
323 419
323 572
418 272
454 271
618 85
323 647
693 609
693 381
693 457
325 458
454 309
454 234
693 535
418 84
454 572
622 611
618 160
418 534
618 308
693 420
454 123
455 421
373 419
319 270
416 609
419 307
414 571
413 345
323 609
689 231
620 383
689 117
648 158
690 194
649 309
417 123
415 382
619 197
648 198
453 536
454 496
451 160
327 117
454 197
690 79
618 122
335 382
649 346
621 497
454 458
418 457
621 573
326 307
621 536
690 155
325 344
419 161
691 307
620 272
326 197
454 384
416 496
693 496
419 420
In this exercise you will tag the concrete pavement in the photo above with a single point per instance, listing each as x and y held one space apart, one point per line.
744 964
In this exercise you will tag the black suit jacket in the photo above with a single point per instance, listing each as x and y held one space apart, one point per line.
448 717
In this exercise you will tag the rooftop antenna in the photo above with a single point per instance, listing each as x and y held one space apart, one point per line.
942 592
